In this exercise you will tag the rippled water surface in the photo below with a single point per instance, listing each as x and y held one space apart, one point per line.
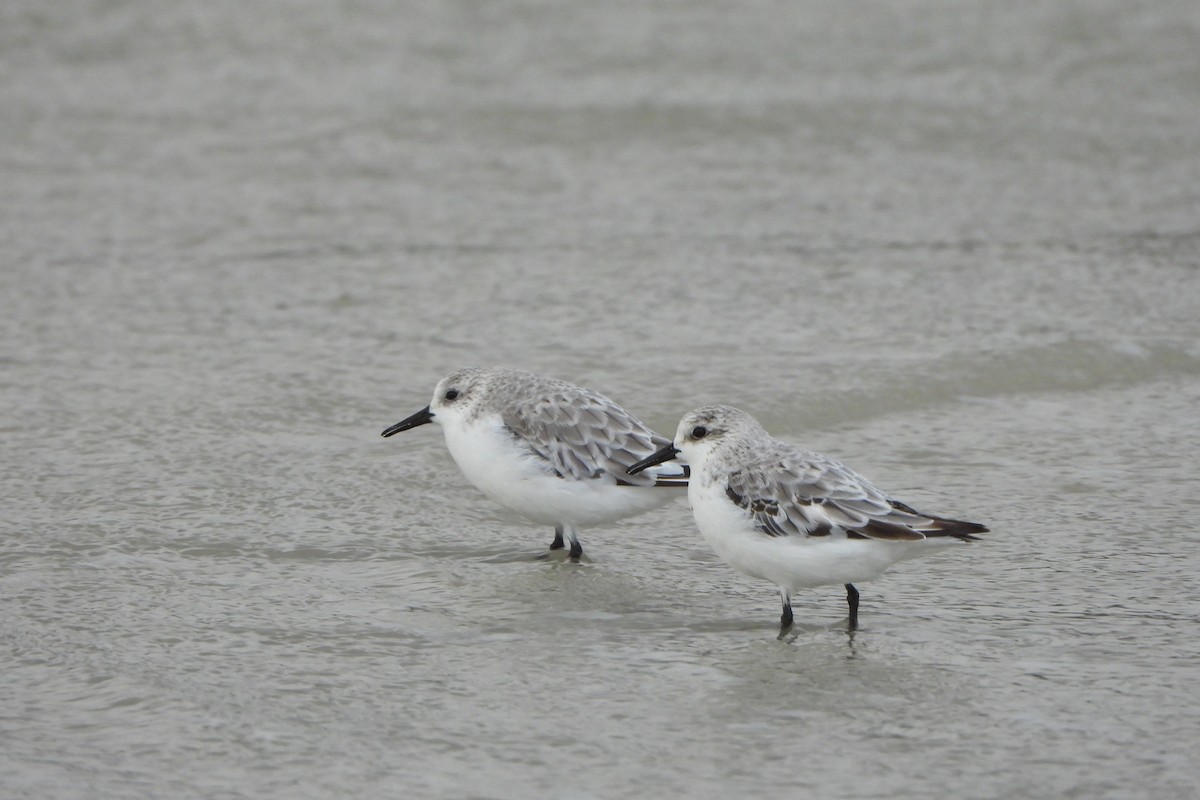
955 245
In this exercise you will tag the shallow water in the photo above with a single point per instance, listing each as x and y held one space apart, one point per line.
954 245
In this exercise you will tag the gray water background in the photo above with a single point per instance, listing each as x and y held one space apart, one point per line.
955 244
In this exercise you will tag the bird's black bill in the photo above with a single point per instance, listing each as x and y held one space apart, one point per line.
666 454
422 417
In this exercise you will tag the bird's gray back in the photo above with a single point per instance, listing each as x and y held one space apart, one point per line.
579 432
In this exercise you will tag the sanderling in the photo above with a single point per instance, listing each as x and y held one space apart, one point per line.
796 518
549 450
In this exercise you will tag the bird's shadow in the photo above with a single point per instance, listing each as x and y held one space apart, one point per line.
560 556
796 630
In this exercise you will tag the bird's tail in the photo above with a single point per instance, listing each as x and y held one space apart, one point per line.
674 474
940 527
956 528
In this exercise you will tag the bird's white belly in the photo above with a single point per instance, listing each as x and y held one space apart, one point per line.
510 475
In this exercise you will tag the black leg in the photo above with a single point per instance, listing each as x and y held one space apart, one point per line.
785 619
852 600
576 549
557 544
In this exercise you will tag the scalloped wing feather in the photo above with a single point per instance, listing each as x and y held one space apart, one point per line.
586 436
806 494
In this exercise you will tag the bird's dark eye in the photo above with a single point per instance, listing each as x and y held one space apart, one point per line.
451 394
699 432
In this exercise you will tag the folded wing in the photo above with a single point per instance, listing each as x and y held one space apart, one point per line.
806 494
582 435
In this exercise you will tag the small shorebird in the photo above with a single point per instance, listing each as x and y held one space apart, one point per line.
549 450
796 518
